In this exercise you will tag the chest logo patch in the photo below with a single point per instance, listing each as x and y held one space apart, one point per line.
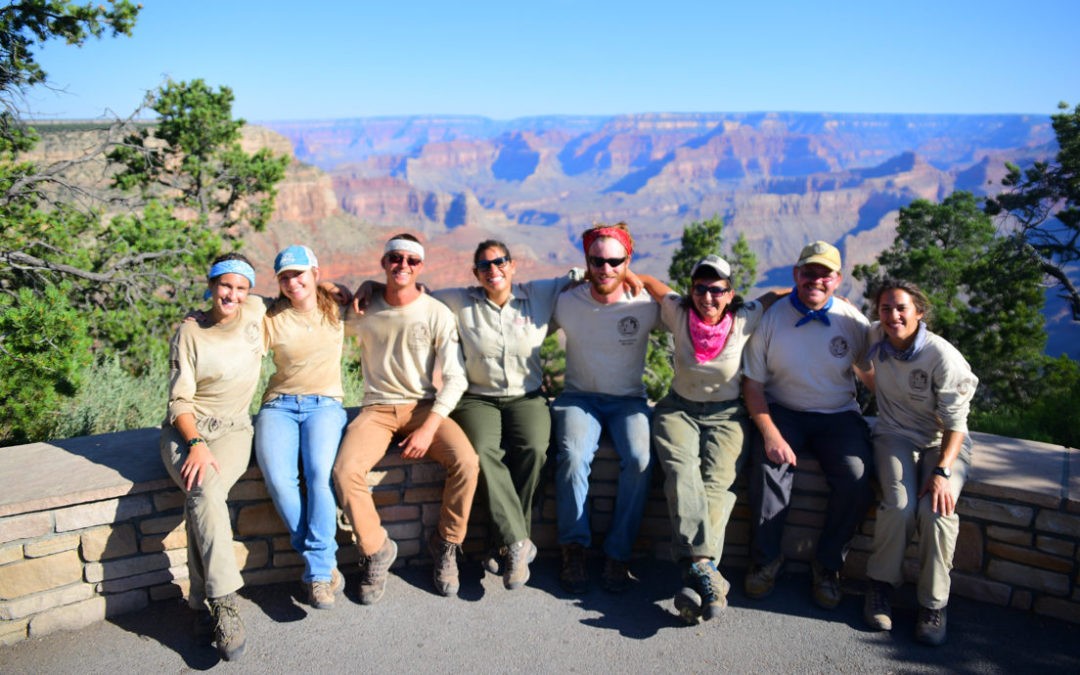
628 326
838 347
419 335
919 380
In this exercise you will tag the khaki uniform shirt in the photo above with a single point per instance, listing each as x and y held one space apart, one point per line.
920 398
214 369
605 343
501 345
402 349
307 352
809 368
720 378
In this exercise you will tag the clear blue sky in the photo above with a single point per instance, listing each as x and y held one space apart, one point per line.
507 59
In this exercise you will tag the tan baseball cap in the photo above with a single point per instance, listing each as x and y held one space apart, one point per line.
821 253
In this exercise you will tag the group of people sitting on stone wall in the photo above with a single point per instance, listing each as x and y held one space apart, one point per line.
456 376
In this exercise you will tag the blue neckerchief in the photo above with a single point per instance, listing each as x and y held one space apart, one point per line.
885 348
808 314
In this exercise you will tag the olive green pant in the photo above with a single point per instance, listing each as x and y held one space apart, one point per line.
212 568
511 436
903 469
701 447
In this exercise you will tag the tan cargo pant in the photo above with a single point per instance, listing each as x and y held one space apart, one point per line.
366 441
903 468
212 567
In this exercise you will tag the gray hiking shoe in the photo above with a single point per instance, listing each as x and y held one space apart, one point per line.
229 636
711 587
760 580
826 586
573 577
374 571
516 565
876 609
444 555
930 626
321 593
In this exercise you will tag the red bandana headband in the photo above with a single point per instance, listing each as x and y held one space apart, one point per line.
617 233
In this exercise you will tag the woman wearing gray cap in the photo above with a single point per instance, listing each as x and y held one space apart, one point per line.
700 426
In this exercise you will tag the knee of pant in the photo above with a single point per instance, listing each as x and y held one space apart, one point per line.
574 463
348 473
638 462
928 519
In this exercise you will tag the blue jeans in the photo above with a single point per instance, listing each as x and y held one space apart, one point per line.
578 419
291 431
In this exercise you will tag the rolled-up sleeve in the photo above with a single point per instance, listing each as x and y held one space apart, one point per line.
182 381
956 386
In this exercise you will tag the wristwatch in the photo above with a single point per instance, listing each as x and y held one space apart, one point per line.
942 471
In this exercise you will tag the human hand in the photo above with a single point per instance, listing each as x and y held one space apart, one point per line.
198 462
416 444
778 451
942 501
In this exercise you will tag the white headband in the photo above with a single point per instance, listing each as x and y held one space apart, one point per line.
404 245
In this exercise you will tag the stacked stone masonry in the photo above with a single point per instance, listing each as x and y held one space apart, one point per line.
100 531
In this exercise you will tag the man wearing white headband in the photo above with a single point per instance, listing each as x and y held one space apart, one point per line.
405 335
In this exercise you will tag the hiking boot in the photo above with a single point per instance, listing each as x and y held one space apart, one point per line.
688 605
930 626
760 580
826 586
711 587
573 577
876 610
516 565
617 577
229 636
374 571
321 593
495 559
446 571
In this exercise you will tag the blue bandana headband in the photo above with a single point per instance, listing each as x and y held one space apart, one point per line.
232 267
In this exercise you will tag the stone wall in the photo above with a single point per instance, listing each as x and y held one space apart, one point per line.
93 527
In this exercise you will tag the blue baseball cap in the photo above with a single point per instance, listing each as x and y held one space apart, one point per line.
295 257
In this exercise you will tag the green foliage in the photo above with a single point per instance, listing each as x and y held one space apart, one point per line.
984 290
193 157
1042 203
128 276
112 398
28 23
43 348
699 239
1051 418
553 362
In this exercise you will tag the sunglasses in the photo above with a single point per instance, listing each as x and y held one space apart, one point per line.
397 259
485 265
598 262
702 289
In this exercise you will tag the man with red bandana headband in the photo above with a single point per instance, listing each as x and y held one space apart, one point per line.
800 393
607 334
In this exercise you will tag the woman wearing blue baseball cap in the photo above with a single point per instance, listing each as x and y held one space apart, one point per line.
214 362
302 418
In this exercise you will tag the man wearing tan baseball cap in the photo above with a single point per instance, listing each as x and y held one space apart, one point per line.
800 393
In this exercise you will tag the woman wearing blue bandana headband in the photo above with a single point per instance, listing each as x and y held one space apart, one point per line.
922 451
214 367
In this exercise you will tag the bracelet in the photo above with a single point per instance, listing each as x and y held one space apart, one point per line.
195 441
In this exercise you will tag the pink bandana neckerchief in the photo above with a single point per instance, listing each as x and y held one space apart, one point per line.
709 340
